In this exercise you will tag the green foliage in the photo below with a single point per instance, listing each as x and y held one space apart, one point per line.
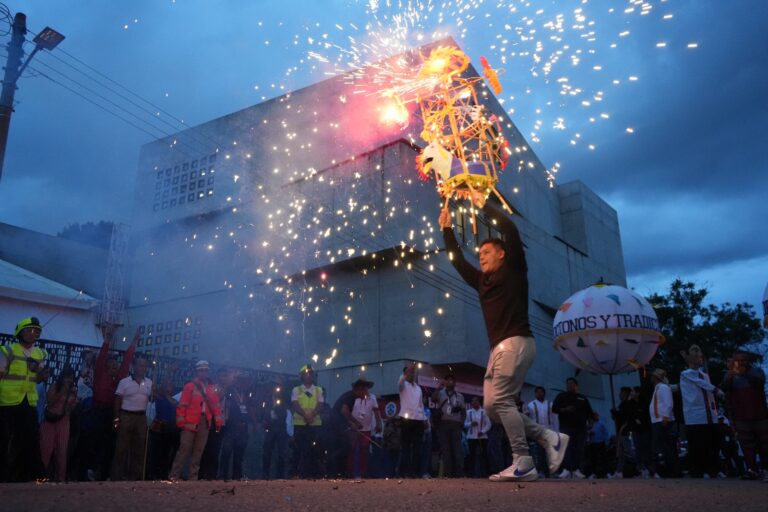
686 319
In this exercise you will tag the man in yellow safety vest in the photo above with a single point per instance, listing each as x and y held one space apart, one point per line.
22 366
307 400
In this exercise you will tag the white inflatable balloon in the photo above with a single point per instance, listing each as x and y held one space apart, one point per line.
607 329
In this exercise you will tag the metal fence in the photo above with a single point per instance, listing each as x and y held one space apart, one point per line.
61 355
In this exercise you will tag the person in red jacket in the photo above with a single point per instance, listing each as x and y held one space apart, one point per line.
198 408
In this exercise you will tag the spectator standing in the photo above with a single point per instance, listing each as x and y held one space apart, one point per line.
574 412
366 412
393 442
22 367
307 399
642 436
198 409
106 374
239 416
413 422
130 422
624 417
453 411
597 439
540 411
278 428
502 287
663 424
744 387
477 424
54 431
347 429
163 433
209 463
700 414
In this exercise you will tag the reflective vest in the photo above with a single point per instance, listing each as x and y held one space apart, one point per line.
307 403
19 380
192 403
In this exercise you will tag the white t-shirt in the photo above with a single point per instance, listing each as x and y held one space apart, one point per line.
479 431
411 401
135 395
661 404
362 411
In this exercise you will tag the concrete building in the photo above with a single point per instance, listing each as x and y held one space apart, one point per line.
298 228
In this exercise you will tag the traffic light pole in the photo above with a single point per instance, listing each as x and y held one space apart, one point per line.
15 54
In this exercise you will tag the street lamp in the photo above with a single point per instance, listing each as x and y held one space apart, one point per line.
47 39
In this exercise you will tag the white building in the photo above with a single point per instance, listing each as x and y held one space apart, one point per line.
298 227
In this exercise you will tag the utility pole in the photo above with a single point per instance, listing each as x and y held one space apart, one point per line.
15 53
47 39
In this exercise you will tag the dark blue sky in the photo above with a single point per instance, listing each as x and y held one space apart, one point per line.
689 184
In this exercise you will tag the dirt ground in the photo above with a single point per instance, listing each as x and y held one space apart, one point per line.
395 495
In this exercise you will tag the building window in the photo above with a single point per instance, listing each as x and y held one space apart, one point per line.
168 180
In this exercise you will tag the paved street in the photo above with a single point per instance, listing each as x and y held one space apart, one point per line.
394 495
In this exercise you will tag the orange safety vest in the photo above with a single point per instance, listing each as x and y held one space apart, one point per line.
190 407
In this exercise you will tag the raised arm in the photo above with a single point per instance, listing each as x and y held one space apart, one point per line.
467 271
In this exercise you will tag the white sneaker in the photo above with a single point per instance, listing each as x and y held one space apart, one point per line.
705 476
657 476
616 476
565 474
578 474
721 475
521 470
554 443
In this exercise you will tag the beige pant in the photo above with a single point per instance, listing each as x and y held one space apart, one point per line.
190 443
504 378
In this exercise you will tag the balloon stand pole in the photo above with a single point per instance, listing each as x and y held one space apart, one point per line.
613 395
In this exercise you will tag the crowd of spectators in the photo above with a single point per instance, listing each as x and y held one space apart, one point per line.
109 421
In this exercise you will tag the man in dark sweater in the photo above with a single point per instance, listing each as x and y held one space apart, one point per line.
574 412
502 286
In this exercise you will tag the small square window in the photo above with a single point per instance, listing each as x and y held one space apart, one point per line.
166 351
142 329
185 167
159 175
159 185
167 338
200 183
192 175
200 195
182 199
187 335
149 341
177 337
185 349
175 190
172 203
175 180
192 185
166 193
183 189
148 352
209 191
176 170
194 164
197 334
191 197
210 181
179 324
168 325
168 172
203 160
202 172
164 205
155 207
195 347
140 343
176 350
167 182
184 177
159 326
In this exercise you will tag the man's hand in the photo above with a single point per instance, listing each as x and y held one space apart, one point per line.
445 220
478 198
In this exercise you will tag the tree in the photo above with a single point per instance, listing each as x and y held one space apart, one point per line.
97 234
685 319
